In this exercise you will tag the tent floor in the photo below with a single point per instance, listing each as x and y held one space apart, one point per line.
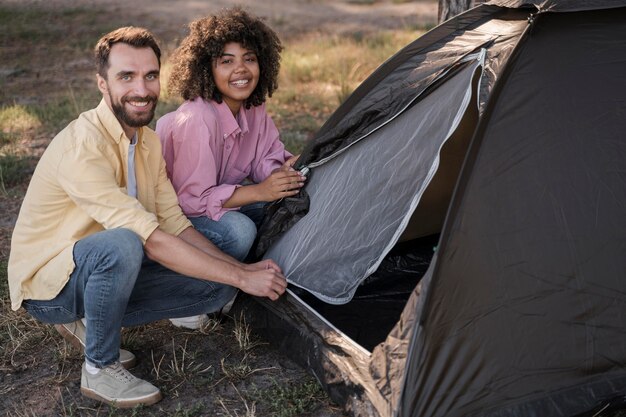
376 307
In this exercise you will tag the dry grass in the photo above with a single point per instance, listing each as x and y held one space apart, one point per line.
243 335
46 80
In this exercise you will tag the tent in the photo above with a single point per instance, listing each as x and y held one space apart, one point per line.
460 246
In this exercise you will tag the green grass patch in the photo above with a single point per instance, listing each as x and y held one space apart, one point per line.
331 58
189 411
58 112
15 121
318 73
14 169
4 284
291 401
18 120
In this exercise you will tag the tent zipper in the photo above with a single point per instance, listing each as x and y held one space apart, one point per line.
479 56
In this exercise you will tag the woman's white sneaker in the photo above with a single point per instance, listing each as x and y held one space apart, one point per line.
193 322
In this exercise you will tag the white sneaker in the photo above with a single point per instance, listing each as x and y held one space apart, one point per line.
114 385
193 322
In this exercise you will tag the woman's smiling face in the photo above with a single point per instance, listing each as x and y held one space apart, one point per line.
236 74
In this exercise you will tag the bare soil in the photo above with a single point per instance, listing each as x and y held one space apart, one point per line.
202 373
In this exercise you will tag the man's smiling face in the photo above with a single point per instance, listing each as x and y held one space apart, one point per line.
131 88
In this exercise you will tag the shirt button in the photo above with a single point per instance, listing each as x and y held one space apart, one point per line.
225 135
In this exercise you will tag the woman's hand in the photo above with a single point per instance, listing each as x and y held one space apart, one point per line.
280 184
289 163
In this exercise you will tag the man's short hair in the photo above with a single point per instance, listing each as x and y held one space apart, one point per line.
130 35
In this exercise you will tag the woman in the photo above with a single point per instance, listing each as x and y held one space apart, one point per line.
222 150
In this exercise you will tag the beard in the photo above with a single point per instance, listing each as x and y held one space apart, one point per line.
129 119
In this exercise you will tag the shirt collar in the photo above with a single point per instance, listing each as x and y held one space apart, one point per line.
112 125
230 125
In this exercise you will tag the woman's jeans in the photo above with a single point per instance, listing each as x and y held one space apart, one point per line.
115 285
235 231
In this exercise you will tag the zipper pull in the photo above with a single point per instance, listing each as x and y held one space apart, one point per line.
304 171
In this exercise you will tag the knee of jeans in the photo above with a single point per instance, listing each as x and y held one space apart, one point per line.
226 294
242 235
128 247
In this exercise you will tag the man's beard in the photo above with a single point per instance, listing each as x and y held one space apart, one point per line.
129 119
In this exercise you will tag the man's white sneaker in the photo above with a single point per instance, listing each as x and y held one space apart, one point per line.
114 385
75 334
193 322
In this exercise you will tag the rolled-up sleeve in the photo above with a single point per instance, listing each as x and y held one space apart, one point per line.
87 174
194 171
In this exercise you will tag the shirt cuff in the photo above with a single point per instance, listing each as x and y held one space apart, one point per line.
220 195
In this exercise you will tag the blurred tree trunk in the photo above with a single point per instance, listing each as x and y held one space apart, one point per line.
449 8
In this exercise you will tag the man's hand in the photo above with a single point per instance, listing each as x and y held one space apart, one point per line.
264 264
264 283
193 255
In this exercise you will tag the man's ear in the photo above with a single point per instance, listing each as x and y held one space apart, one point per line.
102 84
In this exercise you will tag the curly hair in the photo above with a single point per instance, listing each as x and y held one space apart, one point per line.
191 75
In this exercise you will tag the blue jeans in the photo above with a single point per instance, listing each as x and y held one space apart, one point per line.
115 285
235 231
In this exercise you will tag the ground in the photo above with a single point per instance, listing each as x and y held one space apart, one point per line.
222 369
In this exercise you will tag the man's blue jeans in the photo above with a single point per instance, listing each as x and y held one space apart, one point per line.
114 285
235 231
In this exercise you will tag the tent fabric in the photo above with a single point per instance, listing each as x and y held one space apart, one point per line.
400 158
522 309
392 87
378 302
559 5
538 226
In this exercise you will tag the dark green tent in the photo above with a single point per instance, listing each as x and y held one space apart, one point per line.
460 247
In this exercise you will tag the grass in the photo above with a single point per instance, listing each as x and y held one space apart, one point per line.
243 335
46 80
182 367
15 122
4 284
317 74
37 26
14 168
55 114
199 371
290 401
21 123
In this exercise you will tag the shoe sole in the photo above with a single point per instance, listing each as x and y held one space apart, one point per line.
190 325
127 403
75 342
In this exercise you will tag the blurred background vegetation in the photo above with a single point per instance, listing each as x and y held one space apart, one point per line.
46 80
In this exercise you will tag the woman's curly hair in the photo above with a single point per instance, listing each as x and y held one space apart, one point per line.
191 75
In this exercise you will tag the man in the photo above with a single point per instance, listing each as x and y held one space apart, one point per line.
99 201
